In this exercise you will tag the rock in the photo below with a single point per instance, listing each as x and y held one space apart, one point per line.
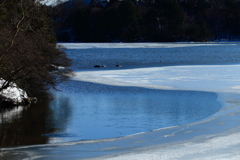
97 66
33 99
118 65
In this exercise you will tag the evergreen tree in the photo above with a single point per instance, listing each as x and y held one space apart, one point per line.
127 19
153 20
81 25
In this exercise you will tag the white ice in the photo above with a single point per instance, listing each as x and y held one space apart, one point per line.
220 78
134 45
219 148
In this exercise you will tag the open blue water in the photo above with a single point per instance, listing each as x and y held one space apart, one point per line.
93 111
168 54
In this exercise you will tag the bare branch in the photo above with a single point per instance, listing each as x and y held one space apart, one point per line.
17 28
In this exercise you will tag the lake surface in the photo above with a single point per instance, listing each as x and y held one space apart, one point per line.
84 110
94 111
137 55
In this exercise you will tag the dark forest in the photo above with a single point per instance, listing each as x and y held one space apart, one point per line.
147 20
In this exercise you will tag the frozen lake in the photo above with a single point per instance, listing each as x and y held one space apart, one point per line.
167 92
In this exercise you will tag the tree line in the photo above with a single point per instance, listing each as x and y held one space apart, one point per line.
147 20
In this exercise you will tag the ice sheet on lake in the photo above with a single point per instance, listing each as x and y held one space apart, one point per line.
220 78
220 148
134 45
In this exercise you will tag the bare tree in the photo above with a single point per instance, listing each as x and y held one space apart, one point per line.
28 53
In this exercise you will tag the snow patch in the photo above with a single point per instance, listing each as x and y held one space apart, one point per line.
13 93
134 45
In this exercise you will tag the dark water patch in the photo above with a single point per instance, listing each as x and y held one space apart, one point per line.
21 126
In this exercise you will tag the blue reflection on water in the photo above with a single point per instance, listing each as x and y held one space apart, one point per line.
95 111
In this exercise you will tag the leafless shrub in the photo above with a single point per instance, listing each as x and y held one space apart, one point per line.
27 46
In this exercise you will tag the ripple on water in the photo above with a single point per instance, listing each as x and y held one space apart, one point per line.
96 111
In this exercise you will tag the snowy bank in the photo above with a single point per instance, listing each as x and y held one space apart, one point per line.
13 95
